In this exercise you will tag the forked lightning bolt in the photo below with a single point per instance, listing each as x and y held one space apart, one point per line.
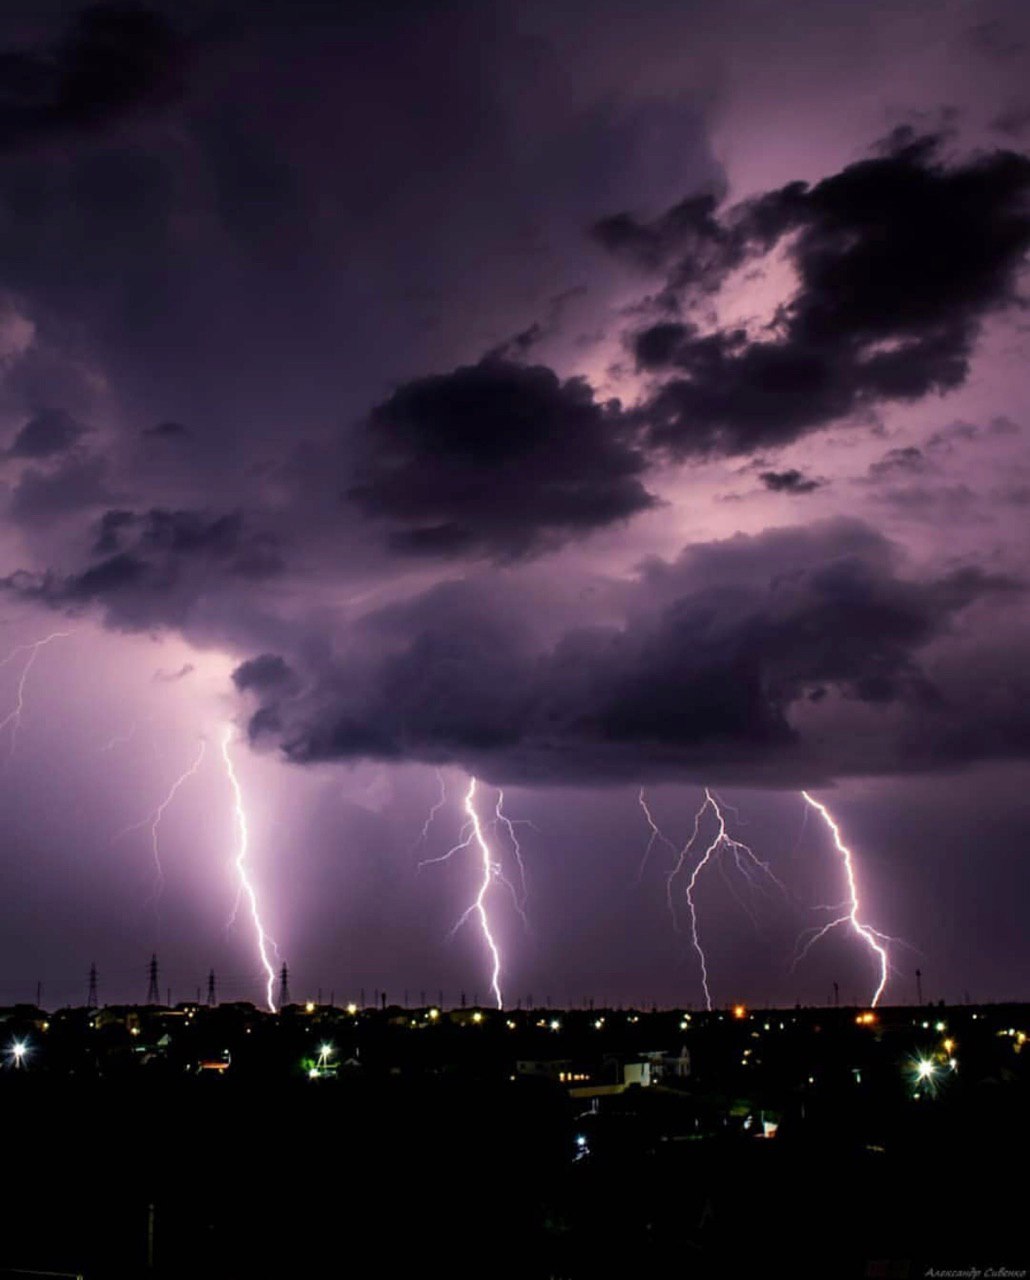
744 859
264 939
479 906
154 819
472 833
871 937
13 717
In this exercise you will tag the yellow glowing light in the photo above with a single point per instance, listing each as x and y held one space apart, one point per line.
309 1007
949 1045
477 1016
739 1011
352 1009
866 1019
434 1014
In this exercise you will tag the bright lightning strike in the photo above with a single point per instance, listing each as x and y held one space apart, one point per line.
13 717
472 834
479 905
264 940
873 940
154 819
745 860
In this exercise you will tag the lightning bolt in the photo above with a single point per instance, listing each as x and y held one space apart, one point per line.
246 888
871 937
509 825
746 862
490 868
13 717
656 835
154 819
430 817
472 833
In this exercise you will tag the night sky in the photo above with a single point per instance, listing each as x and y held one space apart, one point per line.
580 397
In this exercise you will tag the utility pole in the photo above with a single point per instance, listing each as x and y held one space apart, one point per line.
836 996
284 986
919 986
153 992
91 998
211 1001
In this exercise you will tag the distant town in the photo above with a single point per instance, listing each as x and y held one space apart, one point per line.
142 1136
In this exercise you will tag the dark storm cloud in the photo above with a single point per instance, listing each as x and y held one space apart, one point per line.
899 259
498 459
167 431
907 460
693 245
714 656
113 59
180 532
267 673
50 431
790 481
76 483
151 568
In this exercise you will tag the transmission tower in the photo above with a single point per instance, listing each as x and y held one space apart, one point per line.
91 998
153 992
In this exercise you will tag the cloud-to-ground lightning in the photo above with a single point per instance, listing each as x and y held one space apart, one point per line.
479 905
870 936
154 818
264 939
745 860
473 833
13 717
